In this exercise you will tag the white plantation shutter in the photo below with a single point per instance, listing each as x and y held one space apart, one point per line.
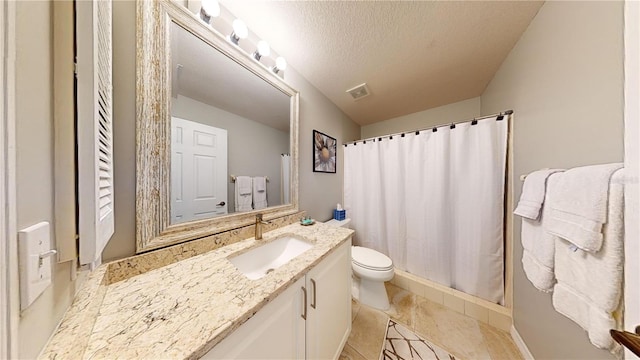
95 127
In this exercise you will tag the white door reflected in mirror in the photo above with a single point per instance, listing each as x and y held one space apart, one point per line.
198 171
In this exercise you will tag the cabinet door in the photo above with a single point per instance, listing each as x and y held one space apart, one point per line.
329 321
275 332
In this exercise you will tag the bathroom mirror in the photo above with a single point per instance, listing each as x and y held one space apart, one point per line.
207 112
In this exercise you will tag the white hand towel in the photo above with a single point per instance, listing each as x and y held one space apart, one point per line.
589 288
243 194
260 183
243 185
539 247
259 196
533 193
578 205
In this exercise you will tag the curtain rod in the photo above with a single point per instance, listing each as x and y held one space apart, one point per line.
503 113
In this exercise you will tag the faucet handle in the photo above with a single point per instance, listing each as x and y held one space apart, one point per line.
259 219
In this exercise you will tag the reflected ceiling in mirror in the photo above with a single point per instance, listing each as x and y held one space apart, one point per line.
188 73
226 123
205 74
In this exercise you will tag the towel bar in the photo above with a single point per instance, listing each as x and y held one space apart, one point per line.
233 178
524 176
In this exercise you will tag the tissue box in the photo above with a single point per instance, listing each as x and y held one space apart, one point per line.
339 214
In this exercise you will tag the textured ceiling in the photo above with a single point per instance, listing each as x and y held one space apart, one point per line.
413 55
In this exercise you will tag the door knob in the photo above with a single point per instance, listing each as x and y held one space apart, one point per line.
221 203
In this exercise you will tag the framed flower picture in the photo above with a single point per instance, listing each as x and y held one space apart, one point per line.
324 152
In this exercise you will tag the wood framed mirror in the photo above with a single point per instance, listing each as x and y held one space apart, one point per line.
173 48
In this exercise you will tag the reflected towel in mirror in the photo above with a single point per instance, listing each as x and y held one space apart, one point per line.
243 193
243 185
259 192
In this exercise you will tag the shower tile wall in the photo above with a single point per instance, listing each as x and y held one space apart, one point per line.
476 308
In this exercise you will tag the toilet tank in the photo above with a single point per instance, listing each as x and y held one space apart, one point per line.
346 223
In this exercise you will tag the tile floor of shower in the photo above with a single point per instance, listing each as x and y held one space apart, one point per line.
462 336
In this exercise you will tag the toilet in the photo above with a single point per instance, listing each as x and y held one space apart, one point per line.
370 270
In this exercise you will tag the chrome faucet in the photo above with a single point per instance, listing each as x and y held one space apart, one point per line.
259 223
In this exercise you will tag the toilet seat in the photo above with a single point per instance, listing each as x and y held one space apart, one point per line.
373 268
370 259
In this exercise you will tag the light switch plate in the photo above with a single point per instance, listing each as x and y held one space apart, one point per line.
35 272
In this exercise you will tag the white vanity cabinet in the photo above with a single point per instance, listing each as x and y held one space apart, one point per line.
275 332
286 329
329 311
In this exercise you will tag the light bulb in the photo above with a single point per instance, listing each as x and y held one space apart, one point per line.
263 48
281 63
240 31
240 28
211 7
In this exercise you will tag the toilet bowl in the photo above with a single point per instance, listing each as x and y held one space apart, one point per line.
370 270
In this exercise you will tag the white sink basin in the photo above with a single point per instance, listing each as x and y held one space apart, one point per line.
263 259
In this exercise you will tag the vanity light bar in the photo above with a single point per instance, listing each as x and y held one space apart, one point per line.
211 8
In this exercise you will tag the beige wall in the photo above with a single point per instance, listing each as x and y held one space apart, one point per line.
563 79
34 178
123 243
459 111
318 192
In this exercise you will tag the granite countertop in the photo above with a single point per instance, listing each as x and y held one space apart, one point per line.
183 309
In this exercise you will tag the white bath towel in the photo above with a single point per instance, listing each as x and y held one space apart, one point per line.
533 193
243 193
578 205
589 288
259 196
539 248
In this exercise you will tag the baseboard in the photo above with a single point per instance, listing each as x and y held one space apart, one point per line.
522 346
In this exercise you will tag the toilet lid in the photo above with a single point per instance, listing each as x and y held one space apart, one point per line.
370 259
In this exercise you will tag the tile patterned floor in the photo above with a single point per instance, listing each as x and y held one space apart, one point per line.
462 336
402 343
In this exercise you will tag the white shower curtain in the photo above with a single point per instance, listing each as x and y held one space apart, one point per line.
285 175
434 203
